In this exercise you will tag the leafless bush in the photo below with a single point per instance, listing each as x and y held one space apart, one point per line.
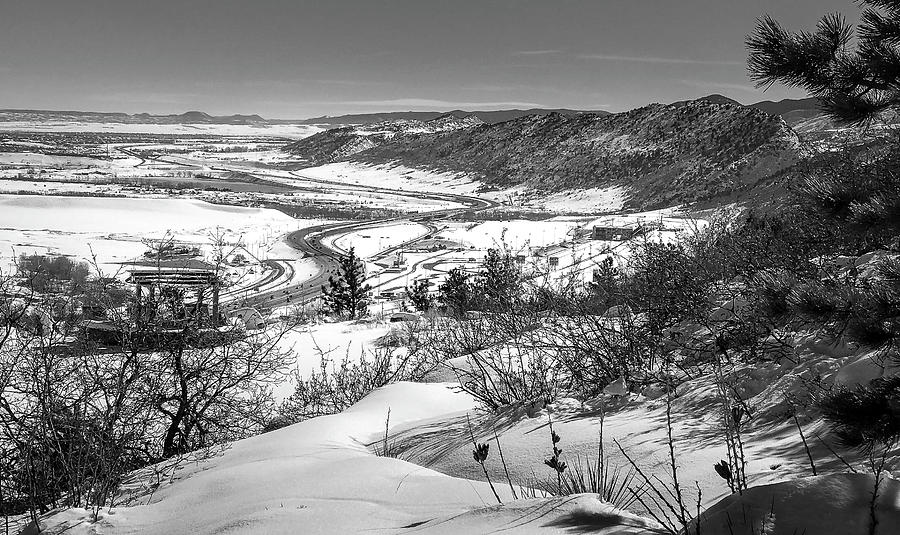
77 413
500 358
337 385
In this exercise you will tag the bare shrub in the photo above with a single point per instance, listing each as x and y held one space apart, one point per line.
337 385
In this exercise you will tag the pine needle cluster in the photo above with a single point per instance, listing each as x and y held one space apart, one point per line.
855 74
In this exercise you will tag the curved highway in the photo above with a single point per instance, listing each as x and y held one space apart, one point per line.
310 240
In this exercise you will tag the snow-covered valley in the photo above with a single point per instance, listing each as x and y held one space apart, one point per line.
400 457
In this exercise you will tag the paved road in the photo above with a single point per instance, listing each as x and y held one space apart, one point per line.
127 151
309 241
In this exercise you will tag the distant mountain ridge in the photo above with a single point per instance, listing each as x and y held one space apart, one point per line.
788 105
190 117
490 117
199 117
791 110
663 155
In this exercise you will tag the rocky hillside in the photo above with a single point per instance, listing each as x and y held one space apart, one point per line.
662 154
340 143
487 116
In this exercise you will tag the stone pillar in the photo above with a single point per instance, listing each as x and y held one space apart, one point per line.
215 304
198 315
151 314
137 304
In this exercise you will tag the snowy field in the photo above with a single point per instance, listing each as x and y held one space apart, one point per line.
514 235
394 177
114 229
591 200
55 188
292 131
331 341
370 241
601 200
46 160
321 475
433 486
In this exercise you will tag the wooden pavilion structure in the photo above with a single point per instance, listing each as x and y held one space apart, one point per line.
182 273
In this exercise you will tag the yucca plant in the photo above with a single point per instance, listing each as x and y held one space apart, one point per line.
613 484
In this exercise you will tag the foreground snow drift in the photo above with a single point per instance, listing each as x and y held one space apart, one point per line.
318 477
836 504
582 513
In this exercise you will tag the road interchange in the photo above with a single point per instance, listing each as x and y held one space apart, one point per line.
313 241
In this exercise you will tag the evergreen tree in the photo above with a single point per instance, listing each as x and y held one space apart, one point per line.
605 286
347 292
455 292
419 296
499 283
853 84
858 197
866 417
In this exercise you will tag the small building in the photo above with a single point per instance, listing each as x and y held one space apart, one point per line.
397 317
393 261
615 233
617 228
186 274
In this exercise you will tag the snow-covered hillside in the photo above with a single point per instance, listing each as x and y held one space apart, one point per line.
656 156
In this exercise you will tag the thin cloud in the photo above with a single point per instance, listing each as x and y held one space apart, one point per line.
348 83
705 84
657 60
142 97
500 88
433 104
546 52
293 84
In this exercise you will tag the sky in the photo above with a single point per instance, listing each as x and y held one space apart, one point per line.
305 58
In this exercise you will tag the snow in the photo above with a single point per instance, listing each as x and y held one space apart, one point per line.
333 340
45 160
54 188
836 504
394 177
293 131
318 476
313 477
865 369
369 241
114 228
400 177
514 235
584 513
609 199
774 452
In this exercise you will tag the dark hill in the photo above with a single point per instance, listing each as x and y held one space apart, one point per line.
490 117
715 99
663 154
787 106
